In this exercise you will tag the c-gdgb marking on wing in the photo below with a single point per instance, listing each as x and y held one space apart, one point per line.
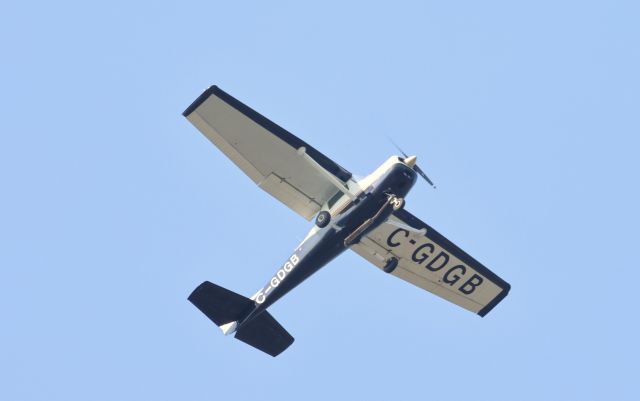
367 216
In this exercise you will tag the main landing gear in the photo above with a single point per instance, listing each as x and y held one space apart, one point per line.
323 219
391 265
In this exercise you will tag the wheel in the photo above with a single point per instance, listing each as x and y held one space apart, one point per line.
397 203
323 219
391 265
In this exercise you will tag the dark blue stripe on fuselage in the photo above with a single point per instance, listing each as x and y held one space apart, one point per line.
328 242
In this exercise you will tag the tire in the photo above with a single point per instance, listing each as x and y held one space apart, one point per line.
323 219
391 265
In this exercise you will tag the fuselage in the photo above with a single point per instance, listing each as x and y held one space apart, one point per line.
352 216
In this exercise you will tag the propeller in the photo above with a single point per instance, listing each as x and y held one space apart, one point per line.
411 162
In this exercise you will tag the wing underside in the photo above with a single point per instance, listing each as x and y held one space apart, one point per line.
430 261
271 156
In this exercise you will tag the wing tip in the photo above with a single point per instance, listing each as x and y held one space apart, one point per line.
213 89
333 167
495 301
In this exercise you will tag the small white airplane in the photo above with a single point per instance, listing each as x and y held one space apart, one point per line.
366 216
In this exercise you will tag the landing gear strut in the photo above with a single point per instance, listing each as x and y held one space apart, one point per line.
392 200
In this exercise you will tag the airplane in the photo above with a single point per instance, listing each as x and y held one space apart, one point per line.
366 216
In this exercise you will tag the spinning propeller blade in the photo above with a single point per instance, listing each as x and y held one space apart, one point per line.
398 147
423 175
415 167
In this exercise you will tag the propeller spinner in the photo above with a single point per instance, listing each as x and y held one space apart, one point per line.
411 162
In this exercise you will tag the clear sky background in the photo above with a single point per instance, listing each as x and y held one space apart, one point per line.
114 208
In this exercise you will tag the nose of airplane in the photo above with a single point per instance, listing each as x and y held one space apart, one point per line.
410 161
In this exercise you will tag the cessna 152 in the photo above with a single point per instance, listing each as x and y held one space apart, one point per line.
366 216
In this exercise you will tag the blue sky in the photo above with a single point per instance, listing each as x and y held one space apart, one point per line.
114 207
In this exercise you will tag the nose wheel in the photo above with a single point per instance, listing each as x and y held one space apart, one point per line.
396 203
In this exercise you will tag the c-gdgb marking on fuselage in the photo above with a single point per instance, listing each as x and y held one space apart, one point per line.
367 216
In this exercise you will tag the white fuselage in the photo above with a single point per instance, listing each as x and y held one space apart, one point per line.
355 188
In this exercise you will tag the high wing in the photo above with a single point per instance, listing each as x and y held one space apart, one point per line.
272 157
432 262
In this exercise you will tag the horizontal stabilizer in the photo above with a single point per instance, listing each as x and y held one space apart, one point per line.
226 308
219 304
266 334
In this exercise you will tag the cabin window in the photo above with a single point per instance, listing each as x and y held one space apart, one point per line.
335 198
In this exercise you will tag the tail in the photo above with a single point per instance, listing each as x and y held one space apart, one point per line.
226 309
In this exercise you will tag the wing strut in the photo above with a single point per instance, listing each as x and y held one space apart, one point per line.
407 227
